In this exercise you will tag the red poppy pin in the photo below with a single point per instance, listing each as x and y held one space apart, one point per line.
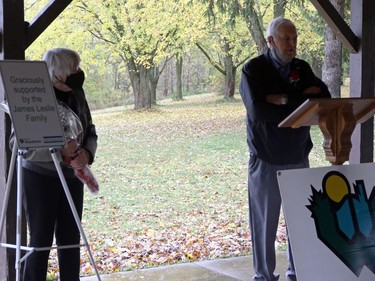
294 76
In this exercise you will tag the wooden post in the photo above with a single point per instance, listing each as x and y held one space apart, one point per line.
362 74
12 47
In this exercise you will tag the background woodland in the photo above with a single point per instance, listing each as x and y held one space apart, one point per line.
139 51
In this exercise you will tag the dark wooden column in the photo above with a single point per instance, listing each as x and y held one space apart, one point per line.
362 74
12 47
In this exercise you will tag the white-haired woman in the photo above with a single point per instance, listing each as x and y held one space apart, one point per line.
47 209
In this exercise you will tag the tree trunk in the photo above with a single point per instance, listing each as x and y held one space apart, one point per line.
279 8
145 90
316 66
135 82
333 56
230 74
255 27
154 80
140 78
188 76
179 62
171 81
116 76
166 81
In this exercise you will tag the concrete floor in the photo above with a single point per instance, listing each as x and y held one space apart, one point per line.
229 269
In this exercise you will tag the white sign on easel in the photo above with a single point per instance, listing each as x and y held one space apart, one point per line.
330 213
32 104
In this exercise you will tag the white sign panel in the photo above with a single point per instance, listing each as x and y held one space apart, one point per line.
32 104
330 213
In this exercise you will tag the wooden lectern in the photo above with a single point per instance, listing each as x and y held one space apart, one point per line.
337 118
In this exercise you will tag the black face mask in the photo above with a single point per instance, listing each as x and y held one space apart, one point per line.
75 80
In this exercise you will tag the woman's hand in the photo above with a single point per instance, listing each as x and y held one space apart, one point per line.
70 149
81 159
74 156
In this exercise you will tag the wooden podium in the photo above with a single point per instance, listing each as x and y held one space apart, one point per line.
337 118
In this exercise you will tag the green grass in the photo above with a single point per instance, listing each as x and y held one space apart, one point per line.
157 167
317 156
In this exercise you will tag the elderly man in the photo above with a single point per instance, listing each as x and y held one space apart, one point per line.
272 86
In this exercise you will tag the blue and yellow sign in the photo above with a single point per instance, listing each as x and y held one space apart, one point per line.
344 218
330 213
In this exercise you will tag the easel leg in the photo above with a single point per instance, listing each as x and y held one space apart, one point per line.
73 208
19 216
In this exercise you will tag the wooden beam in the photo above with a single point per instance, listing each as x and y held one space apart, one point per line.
44 18
337 24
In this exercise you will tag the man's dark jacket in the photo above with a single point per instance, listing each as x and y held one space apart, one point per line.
266 140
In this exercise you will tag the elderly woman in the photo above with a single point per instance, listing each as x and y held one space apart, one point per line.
47 209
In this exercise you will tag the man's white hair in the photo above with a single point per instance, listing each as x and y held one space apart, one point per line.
274 25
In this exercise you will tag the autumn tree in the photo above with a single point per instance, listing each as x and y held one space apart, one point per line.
190 28
139 32
249 10
227 47
106 81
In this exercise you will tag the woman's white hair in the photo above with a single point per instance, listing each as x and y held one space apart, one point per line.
61 62
274 25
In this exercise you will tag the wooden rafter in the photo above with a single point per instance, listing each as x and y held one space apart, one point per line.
43 19
337 24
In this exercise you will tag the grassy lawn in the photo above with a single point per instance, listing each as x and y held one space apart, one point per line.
157 167
173 184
